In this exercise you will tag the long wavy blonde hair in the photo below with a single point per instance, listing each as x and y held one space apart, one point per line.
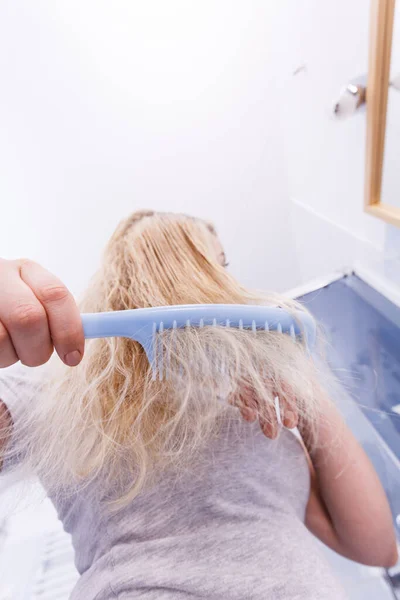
109 417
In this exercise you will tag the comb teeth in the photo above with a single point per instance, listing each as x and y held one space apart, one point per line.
154 345
161 353
227 325
171 350
163 360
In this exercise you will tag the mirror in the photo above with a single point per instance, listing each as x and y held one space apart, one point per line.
391 157
383 112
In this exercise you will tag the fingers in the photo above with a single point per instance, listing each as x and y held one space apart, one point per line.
63 317
24 320
248 405
289 413
8 356
248 414
290 419
37 312
252 408
269 422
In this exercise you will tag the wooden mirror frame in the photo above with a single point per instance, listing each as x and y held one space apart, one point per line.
380 49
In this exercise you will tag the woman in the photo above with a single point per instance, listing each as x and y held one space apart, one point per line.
167 494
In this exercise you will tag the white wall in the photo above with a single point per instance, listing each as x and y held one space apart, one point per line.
325 157
188 106
107 107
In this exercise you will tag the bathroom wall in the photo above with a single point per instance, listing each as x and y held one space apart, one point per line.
220 109
110 107
324 45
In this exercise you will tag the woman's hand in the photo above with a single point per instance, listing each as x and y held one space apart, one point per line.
252 408
37 314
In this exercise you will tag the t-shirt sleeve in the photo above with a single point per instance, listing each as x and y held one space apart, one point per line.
18 389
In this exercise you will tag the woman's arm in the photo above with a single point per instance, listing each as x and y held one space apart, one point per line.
348 509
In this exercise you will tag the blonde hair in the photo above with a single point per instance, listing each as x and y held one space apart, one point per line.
108 417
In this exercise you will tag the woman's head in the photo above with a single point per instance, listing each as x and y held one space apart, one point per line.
168 229
109 410
156 259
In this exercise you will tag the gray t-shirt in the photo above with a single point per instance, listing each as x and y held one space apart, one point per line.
230 529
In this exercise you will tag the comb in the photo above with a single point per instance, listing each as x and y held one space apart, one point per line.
144 324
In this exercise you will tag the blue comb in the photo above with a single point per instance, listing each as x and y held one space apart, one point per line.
143 324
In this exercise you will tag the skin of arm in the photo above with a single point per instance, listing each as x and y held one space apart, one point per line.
348 509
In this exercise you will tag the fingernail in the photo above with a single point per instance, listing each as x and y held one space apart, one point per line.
248 414
72 359
269 431
290 419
